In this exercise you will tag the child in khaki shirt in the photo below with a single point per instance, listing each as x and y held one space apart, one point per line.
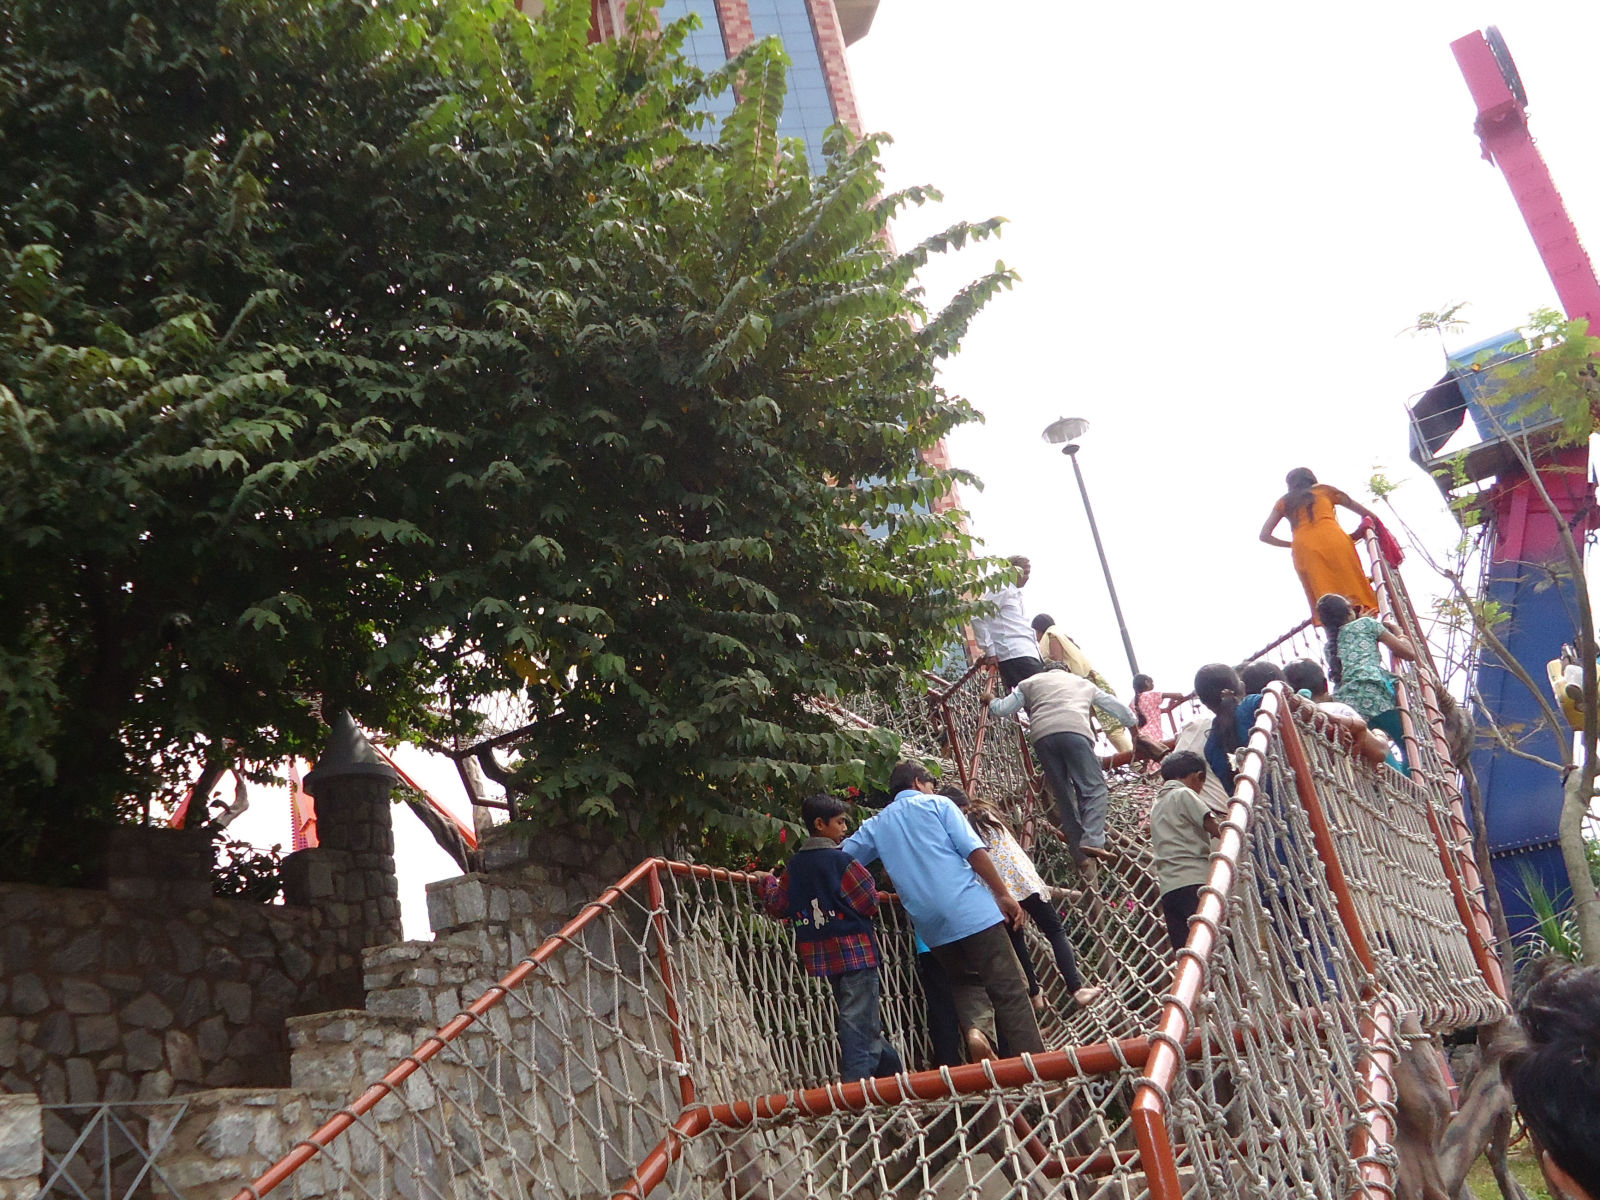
1182 828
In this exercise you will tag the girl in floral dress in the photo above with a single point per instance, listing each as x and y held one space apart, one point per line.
1028 889
1355 668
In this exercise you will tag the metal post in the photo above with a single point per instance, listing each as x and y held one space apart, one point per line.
1071 451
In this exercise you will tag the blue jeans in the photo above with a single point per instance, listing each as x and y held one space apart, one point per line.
864 1052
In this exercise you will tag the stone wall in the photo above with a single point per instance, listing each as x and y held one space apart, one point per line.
559 1092
154 987
107 999
228 1137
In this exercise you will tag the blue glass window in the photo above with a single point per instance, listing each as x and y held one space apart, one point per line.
808 111
705 49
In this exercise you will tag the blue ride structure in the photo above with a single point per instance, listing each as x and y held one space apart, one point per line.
1524 486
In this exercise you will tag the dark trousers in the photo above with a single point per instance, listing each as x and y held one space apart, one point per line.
986 980
1073 769
864 1053
1178 906
1014 670
1049 922
944 1026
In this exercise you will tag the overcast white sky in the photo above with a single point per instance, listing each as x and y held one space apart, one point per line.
1223 216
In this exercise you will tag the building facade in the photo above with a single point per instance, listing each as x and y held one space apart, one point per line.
819 94
814 34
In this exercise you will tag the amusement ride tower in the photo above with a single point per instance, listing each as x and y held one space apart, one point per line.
1526 572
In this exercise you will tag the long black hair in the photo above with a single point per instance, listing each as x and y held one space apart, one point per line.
1141 685
1333 610
1555 1074
1257 674
1298 499
1218 687
985 820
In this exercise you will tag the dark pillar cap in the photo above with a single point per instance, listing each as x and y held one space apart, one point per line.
348 755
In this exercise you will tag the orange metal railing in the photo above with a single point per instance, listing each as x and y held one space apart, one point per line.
1163 1054
1455 841
1174 1026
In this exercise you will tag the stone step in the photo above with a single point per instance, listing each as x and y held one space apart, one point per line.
345 1050
429 982
21 1146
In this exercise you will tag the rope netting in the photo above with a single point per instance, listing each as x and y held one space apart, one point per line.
1423 700
667 1042
1289 1037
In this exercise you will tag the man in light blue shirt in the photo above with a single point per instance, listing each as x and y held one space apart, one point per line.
948 884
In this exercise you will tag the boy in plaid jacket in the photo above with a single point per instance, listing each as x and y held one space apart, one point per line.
829 898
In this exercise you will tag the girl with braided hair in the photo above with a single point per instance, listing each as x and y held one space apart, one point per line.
1355 668
1027 888
1324 556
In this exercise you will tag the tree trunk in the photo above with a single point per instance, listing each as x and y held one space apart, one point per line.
472 779
1579 790
1504 950
1486 1097
1510 1189
1422 1108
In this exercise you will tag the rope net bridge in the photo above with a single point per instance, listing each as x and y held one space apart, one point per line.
666 1042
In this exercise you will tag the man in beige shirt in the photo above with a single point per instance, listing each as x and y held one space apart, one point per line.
1058 704
1056 646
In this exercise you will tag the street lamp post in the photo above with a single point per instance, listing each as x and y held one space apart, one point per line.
1065 433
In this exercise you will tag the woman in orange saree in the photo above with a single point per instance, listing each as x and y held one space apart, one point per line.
1324 556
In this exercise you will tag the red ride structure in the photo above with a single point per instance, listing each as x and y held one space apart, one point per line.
1526 572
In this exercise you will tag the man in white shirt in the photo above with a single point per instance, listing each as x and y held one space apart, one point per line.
1007 636
1193 737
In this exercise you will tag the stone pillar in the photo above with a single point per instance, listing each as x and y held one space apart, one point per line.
348 879
21 1147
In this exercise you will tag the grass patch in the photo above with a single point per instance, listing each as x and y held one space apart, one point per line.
1524 1169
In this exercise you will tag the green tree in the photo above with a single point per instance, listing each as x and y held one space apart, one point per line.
349 352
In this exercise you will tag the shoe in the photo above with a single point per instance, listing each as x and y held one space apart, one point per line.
978 1046
1039 1001
1085 996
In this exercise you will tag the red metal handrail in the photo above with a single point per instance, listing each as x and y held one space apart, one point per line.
1173 1029
1052 1066
1460 867
1162 1055
1294 752
1378 1125
304 1151
1157 1151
